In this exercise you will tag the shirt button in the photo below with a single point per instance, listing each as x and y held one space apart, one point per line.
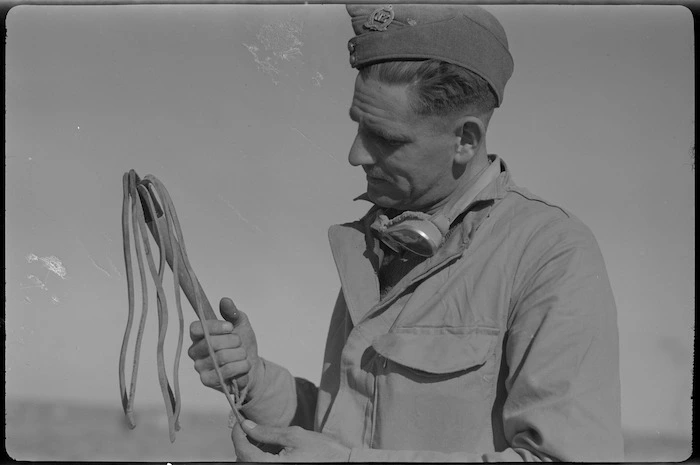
351 46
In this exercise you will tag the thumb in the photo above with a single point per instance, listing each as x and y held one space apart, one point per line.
265 434
230 312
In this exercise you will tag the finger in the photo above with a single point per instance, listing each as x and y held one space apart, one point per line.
228 356
247 452
228 371
229 311
200 349
223 358
215 327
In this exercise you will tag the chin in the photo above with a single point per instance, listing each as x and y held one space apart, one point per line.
384 201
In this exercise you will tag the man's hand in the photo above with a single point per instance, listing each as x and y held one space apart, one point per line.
298 444
234 345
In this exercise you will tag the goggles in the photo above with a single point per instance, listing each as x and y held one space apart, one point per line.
420 237
423 234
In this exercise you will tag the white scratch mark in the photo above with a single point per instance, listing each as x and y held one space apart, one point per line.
108 254
116 270
282 38
317 78
31 258
55 300
27 299
98 266
280 42
242 218
265 65
37 282
313 143
52 263
92 259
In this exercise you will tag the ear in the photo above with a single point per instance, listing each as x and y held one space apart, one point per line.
472 133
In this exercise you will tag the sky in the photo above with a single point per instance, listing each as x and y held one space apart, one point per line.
242 112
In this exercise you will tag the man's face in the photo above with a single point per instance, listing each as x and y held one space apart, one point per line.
408 158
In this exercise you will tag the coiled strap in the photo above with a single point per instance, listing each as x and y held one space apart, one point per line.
145 198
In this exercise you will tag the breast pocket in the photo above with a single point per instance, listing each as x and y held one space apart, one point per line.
434 387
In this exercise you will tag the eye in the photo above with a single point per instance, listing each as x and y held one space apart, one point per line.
379 138
391 142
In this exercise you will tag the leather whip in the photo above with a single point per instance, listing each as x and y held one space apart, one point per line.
147 206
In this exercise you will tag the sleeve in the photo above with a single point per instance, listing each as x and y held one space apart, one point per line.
284 400
562 350
307 396
562 388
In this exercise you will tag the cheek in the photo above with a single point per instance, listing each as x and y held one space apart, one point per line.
403 178
413 170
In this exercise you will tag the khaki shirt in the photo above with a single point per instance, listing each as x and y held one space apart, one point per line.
502 346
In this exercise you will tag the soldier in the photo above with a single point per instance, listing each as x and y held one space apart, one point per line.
475 320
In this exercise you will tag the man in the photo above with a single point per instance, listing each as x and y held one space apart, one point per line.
475 320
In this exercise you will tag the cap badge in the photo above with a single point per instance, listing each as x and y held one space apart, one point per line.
380 18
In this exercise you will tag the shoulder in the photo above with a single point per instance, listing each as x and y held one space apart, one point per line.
538 234
523 211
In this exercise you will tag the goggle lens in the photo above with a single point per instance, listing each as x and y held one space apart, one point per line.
405 236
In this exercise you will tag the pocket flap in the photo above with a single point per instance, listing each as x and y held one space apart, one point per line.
437 350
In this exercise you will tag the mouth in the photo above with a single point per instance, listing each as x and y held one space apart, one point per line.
373 179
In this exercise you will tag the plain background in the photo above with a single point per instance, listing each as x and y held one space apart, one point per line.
242 112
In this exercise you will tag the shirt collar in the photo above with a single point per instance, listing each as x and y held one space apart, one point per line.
498 188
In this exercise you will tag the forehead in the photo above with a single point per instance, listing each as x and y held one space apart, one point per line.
387 106
375 101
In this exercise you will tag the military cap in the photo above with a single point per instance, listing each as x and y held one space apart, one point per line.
464 35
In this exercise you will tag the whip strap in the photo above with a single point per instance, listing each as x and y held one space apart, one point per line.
148 206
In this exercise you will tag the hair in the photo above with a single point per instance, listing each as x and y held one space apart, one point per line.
436 87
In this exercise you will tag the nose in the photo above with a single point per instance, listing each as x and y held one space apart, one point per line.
359 155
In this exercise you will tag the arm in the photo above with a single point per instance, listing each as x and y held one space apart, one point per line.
564 379
562 388
562 399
